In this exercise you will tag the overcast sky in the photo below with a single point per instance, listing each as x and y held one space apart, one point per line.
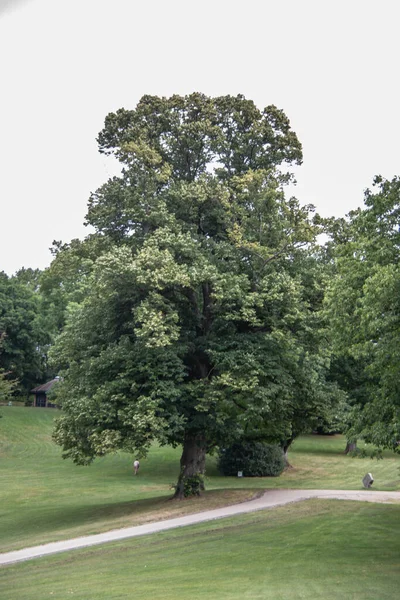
331 66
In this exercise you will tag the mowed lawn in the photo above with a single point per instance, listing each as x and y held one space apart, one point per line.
310 550
44 498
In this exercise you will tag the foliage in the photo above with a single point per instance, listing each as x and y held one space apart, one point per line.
67 279
24 336
335 420
193 486
254 459
29 277
6 387
202 318
363 306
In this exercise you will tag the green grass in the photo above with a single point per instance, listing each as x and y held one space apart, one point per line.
43 498
311 550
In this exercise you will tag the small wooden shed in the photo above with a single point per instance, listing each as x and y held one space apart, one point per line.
40 393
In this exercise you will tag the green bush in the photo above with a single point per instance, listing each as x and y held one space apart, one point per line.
254 459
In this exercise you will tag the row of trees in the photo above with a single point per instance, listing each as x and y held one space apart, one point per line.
25 333
202 310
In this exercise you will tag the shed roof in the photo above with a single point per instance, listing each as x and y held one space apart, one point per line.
45 387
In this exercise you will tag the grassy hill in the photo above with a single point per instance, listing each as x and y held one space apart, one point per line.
313 550
44 498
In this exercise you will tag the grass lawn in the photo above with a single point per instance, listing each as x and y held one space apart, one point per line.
43 498
315 549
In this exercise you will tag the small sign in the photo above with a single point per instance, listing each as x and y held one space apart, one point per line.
367 480
240 473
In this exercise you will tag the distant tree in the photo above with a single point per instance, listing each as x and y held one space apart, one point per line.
68 277
6 387
198 326
29 277
364 310
23 338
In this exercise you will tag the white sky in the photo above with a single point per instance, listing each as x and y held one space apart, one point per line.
332 66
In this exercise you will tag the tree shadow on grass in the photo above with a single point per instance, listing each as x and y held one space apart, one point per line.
331 445
58 523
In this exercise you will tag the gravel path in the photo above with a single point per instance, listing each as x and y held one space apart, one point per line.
269 499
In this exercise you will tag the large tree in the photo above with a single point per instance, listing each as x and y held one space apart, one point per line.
198 326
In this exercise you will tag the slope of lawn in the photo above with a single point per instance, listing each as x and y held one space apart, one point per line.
43 498
311 550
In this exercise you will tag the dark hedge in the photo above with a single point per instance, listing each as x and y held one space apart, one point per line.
254 459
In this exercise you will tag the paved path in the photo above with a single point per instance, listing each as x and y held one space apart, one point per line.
269 499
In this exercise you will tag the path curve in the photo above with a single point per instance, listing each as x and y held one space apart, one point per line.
269 499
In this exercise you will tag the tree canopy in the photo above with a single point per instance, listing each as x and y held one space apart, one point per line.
364 311
201 322
23 330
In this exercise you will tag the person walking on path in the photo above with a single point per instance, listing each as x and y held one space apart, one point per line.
136 466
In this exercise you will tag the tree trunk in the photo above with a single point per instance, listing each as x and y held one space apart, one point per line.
350 447
193 461
285 450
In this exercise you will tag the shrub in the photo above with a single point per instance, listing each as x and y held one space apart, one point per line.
254 459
